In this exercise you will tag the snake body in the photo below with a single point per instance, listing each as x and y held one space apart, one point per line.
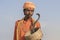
35 29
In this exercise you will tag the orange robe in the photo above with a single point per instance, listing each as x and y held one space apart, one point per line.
21 27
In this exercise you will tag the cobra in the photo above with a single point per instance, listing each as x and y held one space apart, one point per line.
33 29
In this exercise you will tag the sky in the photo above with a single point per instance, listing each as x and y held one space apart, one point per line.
12 10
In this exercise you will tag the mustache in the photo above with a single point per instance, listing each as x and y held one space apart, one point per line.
29 14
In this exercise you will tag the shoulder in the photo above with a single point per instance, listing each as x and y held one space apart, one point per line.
19 21
36 22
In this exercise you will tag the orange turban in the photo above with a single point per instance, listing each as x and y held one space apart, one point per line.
28 5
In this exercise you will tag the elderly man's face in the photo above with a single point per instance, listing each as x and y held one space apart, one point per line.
28 12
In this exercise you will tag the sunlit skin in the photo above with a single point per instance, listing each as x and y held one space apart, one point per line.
28 12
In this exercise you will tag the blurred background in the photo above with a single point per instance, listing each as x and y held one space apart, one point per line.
12 10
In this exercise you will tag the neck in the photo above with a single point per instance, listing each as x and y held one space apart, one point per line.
26 18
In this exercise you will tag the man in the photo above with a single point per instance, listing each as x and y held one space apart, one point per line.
24 25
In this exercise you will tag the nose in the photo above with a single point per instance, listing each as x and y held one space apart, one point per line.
30 12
